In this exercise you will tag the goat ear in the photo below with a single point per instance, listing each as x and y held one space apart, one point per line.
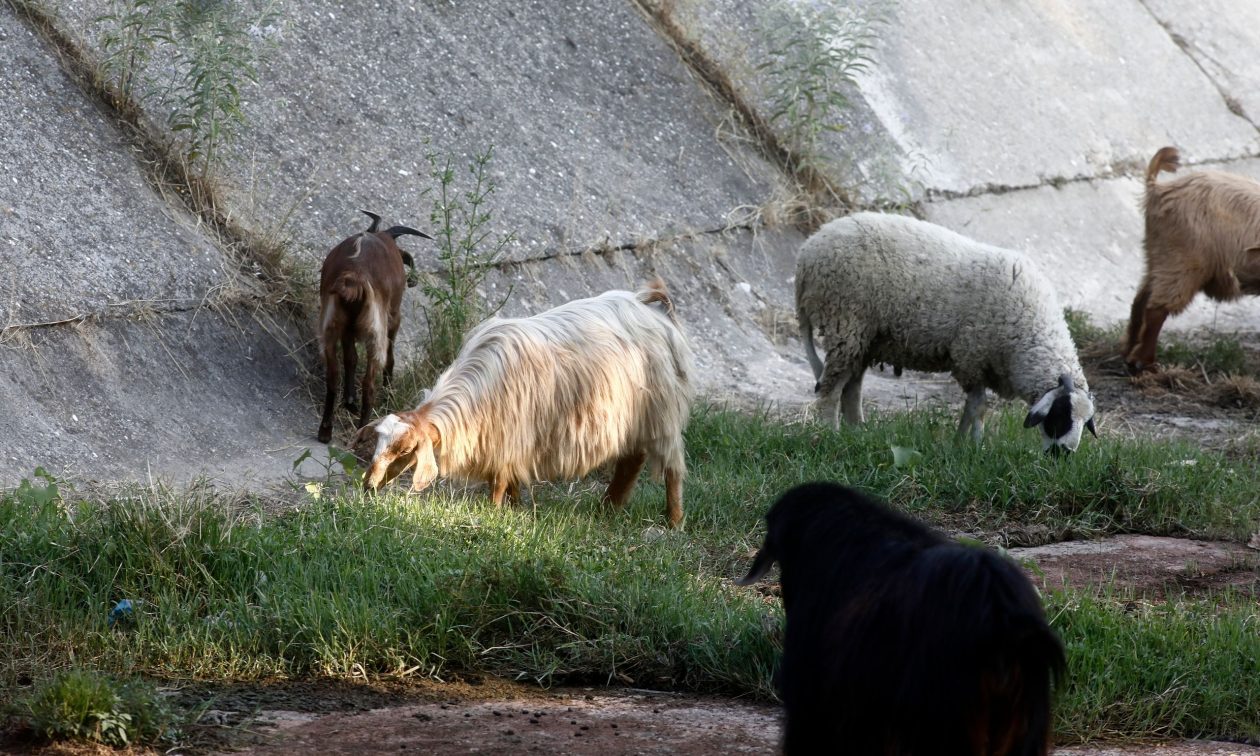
376 221
408 260
1089 426
397 231
760 566
434 437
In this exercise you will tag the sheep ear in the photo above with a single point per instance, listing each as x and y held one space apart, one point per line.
760 566
397 231
376 221
1038 411
1089 426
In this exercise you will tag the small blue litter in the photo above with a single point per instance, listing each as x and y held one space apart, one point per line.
121 612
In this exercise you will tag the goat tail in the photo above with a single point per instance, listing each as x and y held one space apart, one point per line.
1167 159
654 292
807 338
349 287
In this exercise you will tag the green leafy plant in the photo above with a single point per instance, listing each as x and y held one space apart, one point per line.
84 705
212 51
131 31
32 493
815 54
215 55
467 249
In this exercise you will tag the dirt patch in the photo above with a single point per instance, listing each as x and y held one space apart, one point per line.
571 722
1218 413
1150 565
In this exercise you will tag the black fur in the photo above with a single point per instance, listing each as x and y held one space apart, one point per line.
899 641
1058 421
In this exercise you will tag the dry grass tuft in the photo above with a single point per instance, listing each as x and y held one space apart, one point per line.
1238 391
1171 379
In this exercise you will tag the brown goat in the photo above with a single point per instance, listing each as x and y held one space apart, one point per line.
360 299
1202 234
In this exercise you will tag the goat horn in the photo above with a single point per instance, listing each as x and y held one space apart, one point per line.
397 231
376 221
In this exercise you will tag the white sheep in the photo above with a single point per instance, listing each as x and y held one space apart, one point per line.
554 396
895 290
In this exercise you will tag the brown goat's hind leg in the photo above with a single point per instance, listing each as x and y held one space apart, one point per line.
673 497
350 366
369 393
625 475
1137 314
1143 356
330 391
389 360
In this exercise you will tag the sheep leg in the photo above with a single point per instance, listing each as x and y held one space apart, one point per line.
625 474
851 399
973 414
673 497
350 366
330 390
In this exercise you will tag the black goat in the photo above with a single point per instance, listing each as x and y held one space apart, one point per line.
900 641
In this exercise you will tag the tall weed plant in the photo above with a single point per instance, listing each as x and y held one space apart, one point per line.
468 247
209 50
815 53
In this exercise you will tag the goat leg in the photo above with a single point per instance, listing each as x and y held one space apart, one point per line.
625 474
673 497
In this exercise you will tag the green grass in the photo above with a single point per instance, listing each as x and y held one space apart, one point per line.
568 590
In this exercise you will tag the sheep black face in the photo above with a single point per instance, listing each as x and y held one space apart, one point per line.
899 640
1063 414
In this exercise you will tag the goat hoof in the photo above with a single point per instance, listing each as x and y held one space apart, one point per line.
325 435
351 405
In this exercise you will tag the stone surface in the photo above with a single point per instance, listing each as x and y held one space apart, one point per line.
600 131
156 369
81 228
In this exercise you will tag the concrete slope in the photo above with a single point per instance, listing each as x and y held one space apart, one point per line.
126 346
1028 124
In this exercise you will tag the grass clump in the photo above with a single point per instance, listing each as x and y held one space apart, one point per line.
83 705
1157 669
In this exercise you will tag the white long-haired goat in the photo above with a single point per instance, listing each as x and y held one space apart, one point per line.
554 396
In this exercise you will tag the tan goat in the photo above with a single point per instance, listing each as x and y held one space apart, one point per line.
1202 235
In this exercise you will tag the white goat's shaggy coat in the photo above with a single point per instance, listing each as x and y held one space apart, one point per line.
890 289
554 396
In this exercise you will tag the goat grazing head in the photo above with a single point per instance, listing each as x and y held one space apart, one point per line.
1062 413
402 440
